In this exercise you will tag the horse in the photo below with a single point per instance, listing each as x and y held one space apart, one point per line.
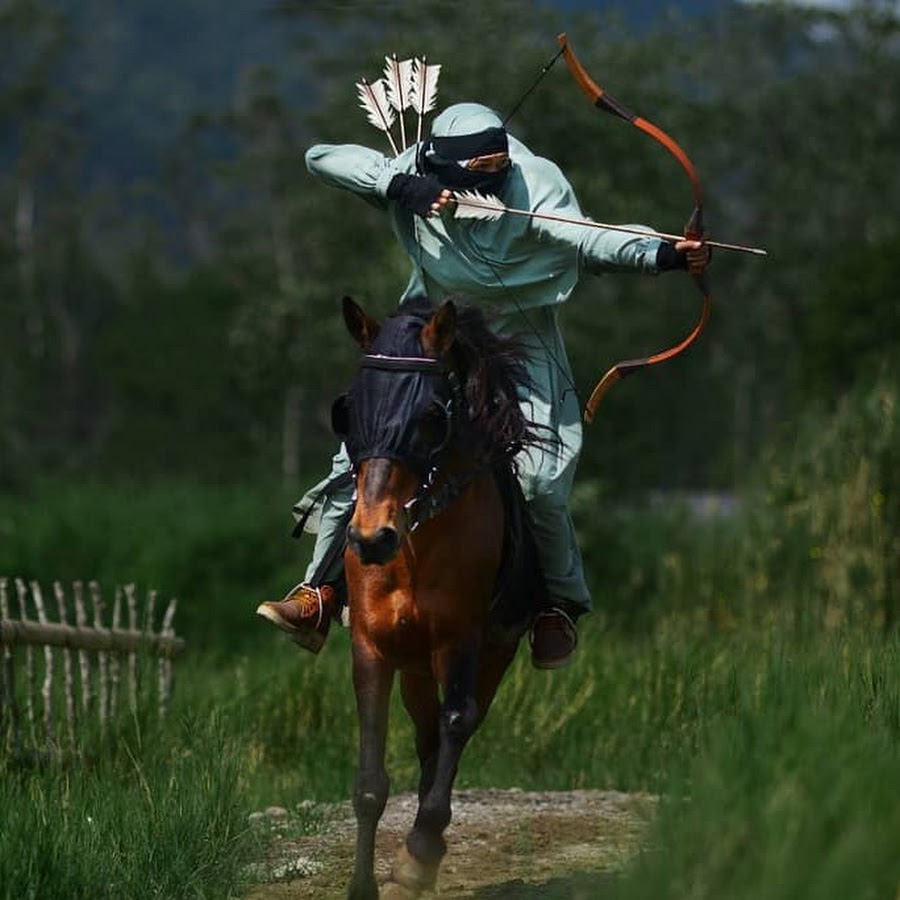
440 562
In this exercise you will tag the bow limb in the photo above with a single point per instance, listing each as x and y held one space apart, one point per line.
629 366
604 101
693 230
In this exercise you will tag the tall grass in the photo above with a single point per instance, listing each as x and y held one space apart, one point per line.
777 757
145 812
792 792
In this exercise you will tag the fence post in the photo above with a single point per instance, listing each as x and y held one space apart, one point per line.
9 716
67 666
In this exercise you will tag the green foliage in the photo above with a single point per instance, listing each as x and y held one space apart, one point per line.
827 527
219 550
159 812
853 330
791 791
812 544
244 253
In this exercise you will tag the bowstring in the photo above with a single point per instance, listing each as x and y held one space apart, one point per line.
547 67
563 370
547 349
554 358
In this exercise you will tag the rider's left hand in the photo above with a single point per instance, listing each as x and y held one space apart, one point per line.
697 254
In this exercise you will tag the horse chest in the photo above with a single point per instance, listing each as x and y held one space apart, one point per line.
403 627
392 619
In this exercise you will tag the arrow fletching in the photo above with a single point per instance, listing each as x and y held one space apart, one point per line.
398 79
474 205
373 98
423 89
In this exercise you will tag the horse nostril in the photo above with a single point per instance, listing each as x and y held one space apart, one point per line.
375 549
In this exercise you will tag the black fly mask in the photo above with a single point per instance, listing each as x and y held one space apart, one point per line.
401 405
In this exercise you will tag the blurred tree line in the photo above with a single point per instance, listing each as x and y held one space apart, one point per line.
186 320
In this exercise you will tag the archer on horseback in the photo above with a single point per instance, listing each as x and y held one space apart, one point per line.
519 269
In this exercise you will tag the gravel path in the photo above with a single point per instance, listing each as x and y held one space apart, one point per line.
502 845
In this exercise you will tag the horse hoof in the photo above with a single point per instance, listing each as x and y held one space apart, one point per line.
412 875
390 890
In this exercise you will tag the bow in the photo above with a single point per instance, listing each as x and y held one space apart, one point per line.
692 231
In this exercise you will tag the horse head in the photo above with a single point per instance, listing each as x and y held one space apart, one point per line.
397 420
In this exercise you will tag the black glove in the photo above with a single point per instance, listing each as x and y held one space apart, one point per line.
668 258
415 192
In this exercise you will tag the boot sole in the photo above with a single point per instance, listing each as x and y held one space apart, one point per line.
548 664
310 639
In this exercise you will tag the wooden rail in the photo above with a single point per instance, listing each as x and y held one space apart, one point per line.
107 653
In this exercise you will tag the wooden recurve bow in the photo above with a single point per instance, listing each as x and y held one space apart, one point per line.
692 231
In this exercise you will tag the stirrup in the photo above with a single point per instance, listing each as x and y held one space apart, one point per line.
548 613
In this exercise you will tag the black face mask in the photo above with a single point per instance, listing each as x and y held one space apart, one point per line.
397 406
440 156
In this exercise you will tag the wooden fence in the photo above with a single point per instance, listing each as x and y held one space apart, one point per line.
113 660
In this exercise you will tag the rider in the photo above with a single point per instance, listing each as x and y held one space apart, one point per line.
518 268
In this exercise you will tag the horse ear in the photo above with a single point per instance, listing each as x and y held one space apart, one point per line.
361 326
440 330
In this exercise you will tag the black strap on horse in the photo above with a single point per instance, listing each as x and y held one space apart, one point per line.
434 498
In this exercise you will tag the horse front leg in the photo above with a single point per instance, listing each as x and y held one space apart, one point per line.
372 680
417 864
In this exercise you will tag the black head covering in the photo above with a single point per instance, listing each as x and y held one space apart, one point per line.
463 132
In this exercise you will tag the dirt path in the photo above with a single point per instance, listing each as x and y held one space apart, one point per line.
502 845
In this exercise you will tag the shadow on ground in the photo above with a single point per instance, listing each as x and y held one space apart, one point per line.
580 886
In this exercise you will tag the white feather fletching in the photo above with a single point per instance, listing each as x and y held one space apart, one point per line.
474 205
398 77
423 87
398 82
373 99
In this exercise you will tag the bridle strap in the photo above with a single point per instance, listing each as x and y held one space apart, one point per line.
432 499
403 363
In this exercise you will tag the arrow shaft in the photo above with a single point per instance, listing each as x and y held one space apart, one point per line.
588 223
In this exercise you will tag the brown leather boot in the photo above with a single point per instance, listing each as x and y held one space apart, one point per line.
305 614
553 639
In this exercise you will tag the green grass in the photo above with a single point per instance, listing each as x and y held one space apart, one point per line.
143 813
792 791
777 757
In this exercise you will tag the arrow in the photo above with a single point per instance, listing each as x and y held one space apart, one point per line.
473 205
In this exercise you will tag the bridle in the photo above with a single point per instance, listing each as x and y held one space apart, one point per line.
433 495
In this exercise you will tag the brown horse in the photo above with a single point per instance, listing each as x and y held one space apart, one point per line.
439 563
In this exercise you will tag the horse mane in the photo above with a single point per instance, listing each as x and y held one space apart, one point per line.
492 369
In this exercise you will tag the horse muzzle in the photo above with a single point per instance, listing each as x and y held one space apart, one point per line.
374 549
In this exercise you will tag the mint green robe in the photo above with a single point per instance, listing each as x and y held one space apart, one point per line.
520 269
